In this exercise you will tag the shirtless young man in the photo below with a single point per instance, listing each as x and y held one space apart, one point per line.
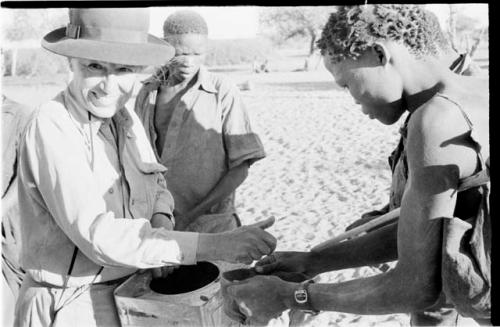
387 59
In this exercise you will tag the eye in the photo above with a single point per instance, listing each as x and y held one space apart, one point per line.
125 69
95 67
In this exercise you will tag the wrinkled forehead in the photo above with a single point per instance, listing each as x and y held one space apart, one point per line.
188 43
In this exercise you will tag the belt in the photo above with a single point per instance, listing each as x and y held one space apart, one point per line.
114 281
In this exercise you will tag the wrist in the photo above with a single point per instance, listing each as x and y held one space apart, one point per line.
301 297
287 294
207 247
313 264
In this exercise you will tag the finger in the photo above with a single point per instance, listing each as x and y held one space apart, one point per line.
264 223
157 273
255 254
245 309
267 260
269 239
244 258
267 269
165 271
263 249
235 315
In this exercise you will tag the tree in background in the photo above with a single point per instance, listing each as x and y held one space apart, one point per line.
284 23
24 30
464 32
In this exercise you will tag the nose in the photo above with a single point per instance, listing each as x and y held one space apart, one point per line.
186 61
109 83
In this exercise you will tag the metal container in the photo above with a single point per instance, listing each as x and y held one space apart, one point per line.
190 296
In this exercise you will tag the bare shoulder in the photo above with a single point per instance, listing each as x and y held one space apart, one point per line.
436 121
438 135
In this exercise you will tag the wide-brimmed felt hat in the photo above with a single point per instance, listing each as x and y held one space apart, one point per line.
115 35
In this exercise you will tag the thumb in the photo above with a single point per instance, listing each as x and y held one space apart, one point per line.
264 223
267 268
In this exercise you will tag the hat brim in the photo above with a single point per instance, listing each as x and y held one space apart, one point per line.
155 52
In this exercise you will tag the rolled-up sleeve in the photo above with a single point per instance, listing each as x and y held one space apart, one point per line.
240 141
164 200
58 178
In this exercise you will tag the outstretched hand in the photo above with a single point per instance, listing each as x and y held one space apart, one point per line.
260 298
242 245
289 266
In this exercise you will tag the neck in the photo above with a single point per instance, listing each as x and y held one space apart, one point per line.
422 80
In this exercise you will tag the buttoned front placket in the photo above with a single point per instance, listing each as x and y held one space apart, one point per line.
114 137
186 102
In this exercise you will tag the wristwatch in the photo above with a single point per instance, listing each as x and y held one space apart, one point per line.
301 297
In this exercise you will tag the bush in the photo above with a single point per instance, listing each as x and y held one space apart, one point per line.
34 62
238 51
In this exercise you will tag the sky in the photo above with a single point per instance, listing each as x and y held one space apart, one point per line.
232 22
223 22
243 20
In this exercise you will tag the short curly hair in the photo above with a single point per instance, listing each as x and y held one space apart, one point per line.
185 22
353 29
437 32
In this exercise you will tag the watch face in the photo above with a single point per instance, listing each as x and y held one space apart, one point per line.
301 296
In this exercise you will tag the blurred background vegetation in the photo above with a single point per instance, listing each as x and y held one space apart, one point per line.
279 28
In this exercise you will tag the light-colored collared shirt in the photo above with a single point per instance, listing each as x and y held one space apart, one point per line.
94 184
14 119
209 133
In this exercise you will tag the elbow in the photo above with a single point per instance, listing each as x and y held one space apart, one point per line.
425 299
425 293
422 289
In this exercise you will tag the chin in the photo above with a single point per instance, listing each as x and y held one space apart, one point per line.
103 112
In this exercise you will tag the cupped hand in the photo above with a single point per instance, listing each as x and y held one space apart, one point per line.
290 266
163 272
260 298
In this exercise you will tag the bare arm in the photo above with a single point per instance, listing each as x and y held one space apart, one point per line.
437 157
375 247
226 185
434 172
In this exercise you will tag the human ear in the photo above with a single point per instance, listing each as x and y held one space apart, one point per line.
382 53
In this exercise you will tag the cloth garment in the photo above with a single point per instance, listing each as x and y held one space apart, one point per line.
209 132
14 119
44 305
93 184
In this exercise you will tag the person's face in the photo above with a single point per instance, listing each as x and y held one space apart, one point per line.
102 88
190 51
377 87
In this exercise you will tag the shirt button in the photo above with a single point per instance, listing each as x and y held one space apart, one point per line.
111 191
132 202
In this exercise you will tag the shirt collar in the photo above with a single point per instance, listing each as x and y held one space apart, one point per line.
203 81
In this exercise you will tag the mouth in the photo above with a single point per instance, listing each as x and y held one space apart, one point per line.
102 101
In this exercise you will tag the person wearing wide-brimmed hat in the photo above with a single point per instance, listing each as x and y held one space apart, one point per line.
94 203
